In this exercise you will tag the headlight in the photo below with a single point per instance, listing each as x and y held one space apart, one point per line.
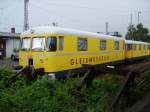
51 76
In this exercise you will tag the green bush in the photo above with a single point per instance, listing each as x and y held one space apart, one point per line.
48 96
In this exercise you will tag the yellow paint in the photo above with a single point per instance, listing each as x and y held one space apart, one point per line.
70 57
138 53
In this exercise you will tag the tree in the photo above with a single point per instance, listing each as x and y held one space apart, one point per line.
142 33
139 33
131 32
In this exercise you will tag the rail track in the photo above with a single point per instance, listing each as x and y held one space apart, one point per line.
141 106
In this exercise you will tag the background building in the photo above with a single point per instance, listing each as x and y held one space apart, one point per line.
8 43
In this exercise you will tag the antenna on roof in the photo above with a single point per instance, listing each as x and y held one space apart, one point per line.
106 27
55 24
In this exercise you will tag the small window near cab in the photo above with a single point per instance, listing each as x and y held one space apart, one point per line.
82 44
52 43
61 43
116 45
102 44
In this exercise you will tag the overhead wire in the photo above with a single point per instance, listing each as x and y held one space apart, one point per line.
49 12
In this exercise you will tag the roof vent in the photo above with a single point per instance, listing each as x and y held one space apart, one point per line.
32 31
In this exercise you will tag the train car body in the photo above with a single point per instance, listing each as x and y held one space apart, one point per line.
57 49
136 50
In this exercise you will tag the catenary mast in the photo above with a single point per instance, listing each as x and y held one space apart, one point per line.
26 21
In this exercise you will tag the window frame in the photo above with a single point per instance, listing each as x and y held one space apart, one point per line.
118 45
134 47
86 43
143 47
101 43
47 44
140 47
61 43
128 47
32 44
21 43
149 47
146 47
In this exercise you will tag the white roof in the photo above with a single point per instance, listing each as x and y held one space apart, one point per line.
65 31
136 42
9 35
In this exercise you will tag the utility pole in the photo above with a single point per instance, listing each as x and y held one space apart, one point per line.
26 22
106 27
139 12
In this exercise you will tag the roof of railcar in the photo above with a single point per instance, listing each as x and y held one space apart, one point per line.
66 31
136 42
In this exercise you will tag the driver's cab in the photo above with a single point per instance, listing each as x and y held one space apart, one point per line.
36 49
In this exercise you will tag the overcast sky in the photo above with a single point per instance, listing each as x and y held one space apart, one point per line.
89 15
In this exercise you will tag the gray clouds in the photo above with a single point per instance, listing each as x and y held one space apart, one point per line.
89 15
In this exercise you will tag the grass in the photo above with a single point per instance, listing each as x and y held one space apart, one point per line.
47 96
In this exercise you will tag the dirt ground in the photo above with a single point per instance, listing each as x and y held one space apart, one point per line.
7 63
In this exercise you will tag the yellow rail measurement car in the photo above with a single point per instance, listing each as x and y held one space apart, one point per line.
57 49
136 50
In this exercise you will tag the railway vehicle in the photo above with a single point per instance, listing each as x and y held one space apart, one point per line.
136 50
58 50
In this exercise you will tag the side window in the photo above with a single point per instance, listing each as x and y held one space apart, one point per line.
102 44
146 47
143 47
128 47
82 44
52 43
116 45
139 46
134 46
61 43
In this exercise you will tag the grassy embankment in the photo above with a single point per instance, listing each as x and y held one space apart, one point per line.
43 96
